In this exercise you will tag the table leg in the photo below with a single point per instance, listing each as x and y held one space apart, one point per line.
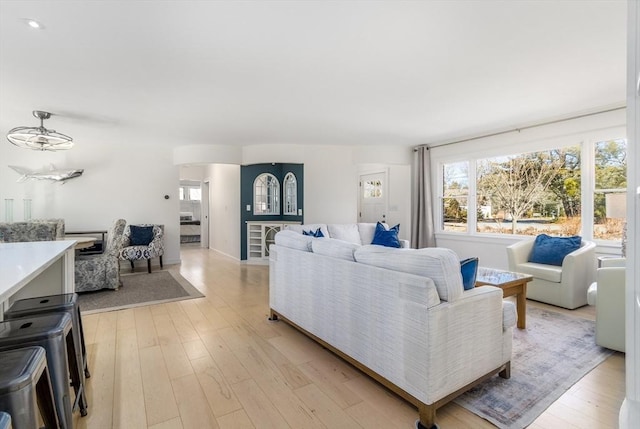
521 305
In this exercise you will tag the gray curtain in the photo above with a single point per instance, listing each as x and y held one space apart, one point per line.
422 213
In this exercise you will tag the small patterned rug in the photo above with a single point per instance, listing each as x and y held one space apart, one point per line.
138 290
551 355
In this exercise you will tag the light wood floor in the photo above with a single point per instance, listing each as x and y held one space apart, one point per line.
216 362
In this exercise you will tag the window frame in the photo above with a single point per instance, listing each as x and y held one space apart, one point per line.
290 197
501 146
272 193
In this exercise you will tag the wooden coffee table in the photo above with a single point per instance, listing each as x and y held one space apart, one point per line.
511 284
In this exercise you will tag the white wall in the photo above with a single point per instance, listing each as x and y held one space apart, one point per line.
330 184
224 208
126 176
330 178
331 175
192 172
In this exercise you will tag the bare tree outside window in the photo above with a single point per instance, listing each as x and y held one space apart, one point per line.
533 192
540 192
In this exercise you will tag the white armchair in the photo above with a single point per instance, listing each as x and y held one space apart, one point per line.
607 294
565 286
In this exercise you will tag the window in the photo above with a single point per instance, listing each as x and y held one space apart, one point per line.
455 193
190 193
266 195
540 192
373 189
610 193
530 193
290 195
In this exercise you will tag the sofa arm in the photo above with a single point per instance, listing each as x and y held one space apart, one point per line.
475 332
613 262
579 266
518 253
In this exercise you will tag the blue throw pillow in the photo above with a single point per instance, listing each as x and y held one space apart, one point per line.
384 237
469 270
552 250
317 234
141 235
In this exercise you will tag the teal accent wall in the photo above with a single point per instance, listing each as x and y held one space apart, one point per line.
248 174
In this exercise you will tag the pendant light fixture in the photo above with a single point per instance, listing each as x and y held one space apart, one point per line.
39 138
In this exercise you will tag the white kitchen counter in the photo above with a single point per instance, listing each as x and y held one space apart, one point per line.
35 268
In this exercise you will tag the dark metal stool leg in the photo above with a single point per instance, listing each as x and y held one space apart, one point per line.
76 372
45 400
85 361
25 387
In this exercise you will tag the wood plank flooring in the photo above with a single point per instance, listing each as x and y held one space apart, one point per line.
217 362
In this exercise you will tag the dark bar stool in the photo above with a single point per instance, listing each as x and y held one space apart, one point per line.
24 387
52 304
54 333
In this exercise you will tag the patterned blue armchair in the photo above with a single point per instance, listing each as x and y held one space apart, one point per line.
13 232
58 222
142 242
95 272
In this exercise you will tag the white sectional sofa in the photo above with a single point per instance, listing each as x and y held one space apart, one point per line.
400 315
357 233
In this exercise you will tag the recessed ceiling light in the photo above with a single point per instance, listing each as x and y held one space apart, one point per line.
34 24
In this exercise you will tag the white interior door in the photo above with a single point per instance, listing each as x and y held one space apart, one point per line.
373 197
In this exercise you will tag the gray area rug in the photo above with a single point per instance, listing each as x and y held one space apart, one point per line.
138 290
551 355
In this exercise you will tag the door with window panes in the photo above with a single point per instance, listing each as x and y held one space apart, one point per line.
373 197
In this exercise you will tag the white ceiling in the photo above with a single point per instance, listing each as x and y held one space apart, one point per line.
308 72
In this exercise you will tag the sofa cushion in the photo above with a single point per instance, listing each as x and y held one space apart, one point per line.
294 240
367 231
386 237
345 232
551 273
439 264
335 248
552 250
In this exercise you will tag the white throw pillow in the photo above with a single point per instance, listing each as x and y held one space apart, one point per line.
439 264
367 231
294 240
345 232
334 248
